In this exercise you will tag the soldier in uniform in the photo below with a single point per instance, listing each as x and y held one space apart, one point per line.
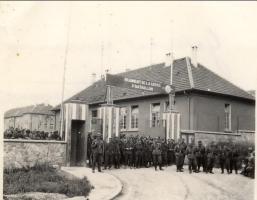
89 149
210 159
108 154
200 154
116 153
179 153
190 152
234 158
228 156
144 152
139 149
222 158
157 157
170 154
149 152
97 152
164 150
128 152
183 147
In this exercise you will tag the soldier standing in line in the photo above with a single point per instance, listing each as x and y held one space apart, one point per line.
128 152
234 158
122 152
179 157
228 157
170 154
116 153
210 159
157 157
183 147
149 152
222 158
200 153
97 152
190 152
89 149
133 139
108 154
144 151
164 150
139 149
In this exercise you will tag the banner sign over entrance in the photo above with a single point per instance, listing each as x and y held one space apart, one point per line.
131 83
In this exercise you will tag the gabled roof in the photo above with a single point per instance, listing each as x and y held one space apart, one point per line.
33 109
203 80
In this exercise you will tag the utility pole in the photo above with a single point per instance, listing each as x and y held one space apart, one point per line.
64 71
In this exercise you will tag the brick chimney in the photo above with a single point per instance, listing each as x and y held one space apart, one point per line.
93 78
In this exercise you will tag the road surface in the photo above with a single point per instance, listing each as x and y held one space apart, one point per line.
148 184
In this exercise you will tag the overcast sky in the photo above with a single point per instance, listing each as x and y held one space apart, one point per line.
33 36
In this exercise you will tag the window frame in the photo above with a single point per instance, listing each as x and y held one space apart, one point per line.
228 120
158 122
137 119
123 119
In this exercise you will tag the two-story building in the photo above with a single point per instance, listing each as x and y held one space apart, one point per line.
35 117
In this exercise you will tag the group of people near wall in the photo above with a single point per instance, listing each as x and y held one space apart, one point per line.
18 133
137 152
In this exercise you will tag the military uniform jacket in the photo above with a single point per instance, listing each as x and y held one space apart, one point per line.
171 146
200 151
156 148
164 148
222 154
97 146
190 153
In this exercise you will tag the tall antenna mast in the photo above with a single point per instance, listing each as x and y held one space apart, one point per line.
172 35
171 96
172 53
64 70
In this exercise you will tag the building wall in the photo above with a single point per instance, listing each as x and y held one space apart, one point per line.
209 113
23 153
32 122
43 122
9 122
144 126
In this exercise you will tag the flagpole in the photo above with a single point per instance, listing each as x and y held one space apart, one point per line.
64 73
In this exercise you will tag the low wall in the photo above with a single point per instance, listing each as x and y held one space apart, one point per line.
22 153
206 136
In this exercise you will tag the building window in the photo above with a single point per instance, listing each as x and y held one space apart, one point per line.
51 123
123 118
134 117
227 117
155 115
94 113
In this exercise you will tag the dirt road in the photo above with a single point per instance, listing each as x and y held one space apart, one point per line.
168 184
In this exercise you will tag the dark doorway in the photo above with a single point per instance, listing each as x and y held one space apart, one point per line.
77 142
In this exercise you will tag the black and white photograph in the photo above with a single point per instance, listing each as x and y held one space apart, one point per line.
128 100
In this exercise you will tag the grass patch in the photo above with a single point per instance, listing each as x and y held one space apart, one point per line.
43 178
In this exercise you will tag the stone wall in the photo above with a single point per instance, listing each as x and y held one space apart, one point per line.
22 153
207 136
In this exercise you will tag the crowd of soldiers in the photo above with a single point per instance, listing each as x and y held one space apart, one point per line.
137 152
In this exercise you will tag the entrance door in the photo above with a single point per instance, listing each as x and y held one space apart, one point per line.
77 142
